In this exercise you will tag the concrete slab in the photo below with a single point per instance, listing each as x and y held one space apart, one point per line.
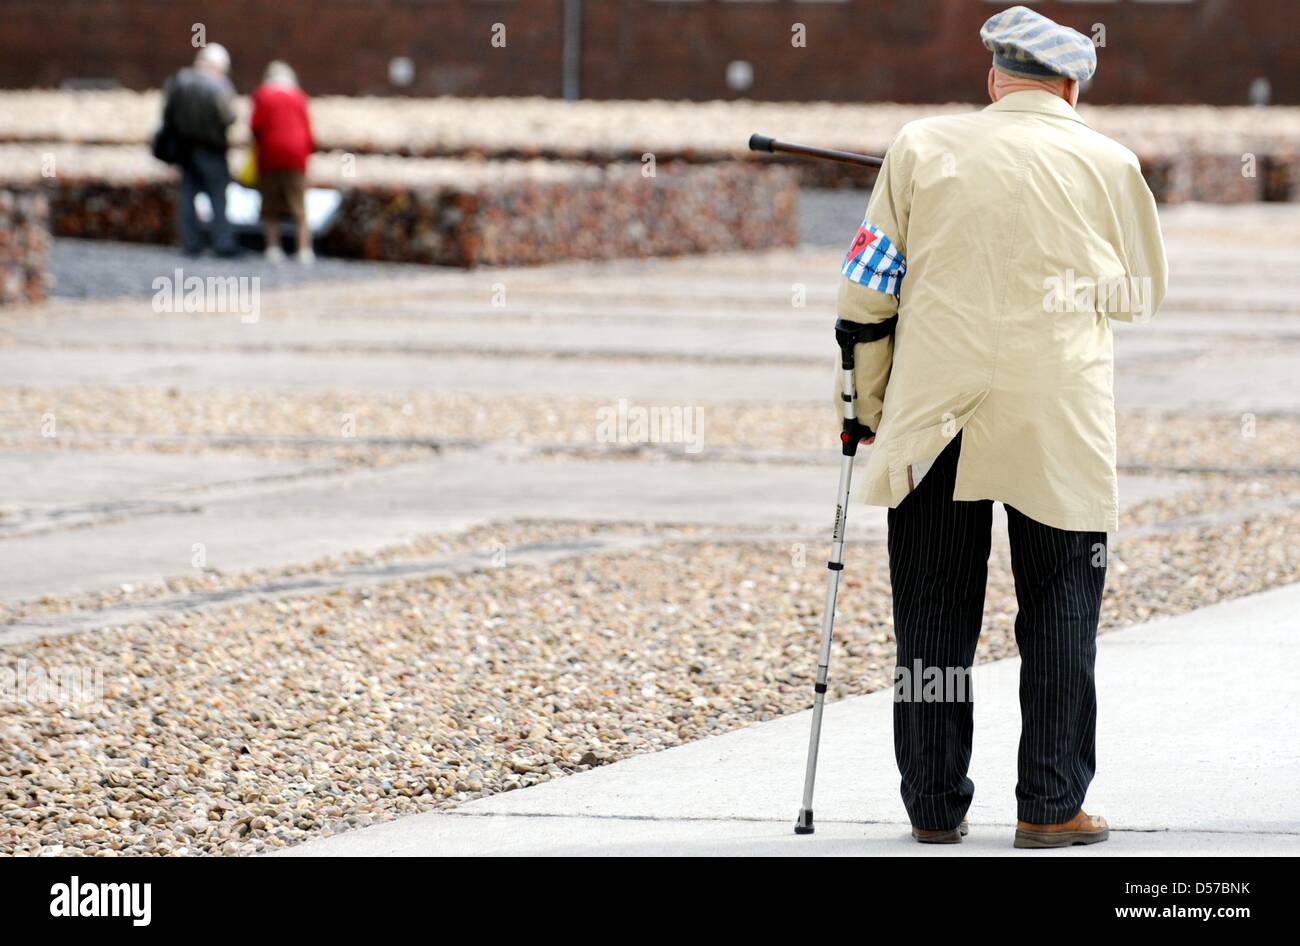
605 379
137 517
1234 380
1197 746
36 477
256 525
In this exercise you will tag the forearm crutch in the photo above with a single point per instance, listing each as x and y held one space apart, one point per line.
847 335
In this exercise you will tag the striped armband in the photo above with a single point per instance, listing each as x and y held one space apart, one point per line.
873 261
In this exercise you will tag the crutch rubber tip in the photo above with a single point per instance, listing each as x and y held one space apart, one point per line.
804 823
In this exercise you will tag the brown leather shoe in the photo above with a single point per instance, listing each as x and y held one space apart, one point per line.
1083 828
942 835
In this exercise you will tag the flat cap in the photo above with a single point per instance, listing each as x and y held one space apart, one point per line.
1026 43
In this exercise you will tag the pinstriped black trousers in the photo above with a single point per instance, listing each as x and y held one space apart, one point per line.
938 566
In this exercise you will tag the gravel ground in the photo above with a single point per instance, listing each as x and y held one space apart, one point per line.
442 547
1154 438
262 725
101 269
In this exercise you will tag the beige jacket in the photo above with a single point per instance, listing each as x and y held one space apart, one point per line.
1011 236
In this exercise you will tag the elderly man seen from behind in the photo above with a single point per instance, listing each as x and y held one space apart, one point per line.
1004 241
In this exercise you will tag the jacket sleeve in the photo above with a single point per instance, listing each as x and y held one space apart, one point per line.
871 279
1144 251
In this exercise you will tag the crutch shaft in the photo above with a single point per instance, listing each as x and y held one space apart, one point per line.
848 335
834 567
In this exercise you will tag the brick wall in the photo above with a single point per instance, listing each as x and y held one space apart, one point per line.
929 50
872 50
336 46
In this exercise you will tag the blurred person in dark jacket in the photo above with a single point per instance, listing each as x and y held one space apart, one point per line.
282 131
199 108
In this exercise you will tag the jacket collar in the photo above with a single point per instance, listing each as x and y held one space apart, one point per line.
1037 101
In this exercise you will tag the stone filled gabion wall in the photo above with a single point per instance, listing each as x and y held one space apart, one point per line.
449 212
96 192
617 212
135 211
24 244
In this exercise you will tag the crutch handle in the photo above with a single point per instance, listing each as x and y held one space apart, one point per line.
847 336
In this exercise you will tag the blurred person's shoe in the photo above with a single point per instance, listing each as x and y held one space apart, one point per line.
274 254
307 256
1083 828
234 252
942 835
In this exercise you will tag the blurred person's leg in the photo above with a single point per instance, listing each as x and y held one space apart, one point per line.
1059 578
305 252
266 184
268 187
271 236
191 185
938 567
215 175
296 198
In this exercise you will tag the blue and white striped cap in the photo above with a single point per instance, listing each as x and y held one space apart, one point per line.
1026 43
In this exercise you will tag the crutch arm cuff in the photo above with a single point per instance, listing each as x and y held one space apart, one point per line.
848 334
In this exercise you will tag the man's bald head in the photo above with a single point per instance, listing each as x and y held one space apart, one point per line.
1004 83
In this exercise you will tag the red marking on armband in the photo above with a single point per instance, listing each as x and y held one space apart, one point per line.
862 240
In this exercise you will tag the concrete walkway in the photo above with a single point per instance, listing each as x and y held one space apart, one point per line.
1198 754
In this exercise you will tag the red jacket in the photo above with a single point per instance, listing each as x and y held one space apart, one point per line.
282 129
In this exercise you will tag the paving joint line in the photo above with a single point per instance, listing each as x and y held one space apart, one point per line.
754 819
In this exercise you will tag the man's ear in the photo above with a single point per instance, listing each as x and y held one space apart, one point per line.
1072 92
992 95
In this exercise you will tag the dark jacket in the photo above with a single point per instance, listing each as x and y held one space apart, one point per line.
199 107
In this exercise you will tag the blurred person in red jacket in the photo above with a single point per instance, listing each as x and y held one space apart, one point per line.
282 132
